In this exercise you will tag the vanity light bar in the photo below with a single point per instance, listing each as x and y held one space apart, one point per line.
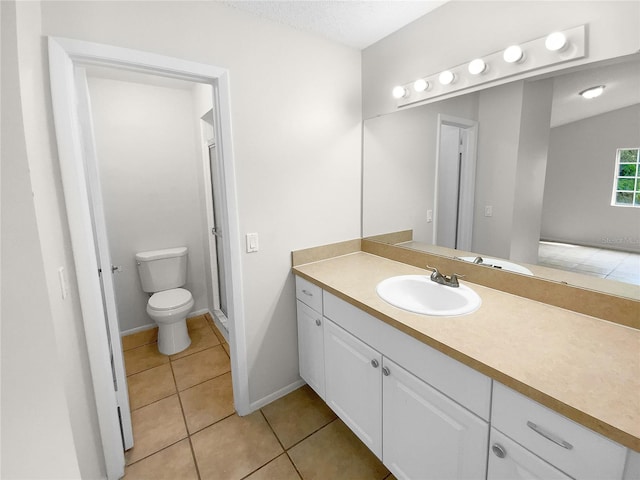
555 48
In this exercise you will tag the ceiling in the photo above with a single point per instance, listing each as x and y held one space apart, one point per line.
354 23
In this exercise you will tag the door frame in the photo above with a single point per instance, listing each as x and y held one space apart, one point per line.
64 55
467 185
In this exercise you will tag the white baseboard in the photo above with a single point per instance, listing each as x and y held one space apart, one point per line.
149 326
138 329
275 395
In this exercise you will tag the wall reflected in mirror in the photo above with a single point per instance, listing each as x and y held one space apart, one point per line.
528 176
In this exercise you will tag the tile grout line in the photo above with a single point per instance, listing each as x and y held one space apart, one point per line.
184 419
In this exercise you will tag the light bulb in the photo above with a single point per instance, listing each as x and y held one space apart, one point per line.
592 92
447 77
399 92
420 85
513 54
556 42
477 66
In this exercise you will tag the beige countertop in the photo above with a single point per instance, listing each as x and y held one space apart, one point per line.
583 367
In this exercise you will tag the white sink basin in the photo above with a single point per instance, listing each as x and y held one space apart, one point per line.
503 264
419 294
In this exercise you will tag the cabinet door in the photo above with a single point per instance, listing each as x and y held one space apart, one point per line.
426 434
510 461
354 384
311 347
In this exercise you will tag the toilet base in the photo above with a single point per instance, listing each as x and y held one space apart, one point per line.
173 338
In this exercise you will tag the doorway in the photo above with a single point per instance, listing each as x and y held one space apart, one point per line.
64 56
455 174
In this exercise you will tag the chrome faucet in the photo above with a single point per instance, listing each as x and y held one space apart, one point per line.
478 260
437 277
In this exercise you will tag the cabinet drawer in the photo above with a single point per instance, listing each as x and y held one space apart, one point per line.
574 449
309 293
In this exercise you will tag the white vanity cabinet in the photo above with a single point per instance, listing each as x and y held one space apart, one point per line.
510 461
575 450
310 334
354 384
418 431
427 435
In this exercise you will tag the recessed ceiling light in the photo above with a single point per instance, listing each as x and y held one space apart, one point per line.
592 92
400 92
513 54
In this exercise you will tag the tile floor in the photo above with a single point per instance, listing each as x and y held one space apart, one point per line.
599 262
185 427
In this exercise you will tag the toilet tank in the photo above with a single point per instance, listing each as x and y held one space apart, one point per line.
162 269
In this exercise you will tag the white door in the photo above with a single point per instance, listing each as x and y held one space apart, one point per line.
510 461
449 168
427 435
353 384
107 271
311 347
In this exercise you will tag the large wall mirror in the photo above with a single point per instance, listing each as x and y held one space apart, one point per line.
521 175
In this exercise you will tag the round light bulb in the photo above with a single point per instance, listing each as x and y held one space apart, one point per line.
513 54
399 92
420 85
592 92
556 41
447 77
477 66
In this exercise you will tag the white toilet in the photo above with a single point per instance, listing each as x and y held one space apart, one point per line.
162 272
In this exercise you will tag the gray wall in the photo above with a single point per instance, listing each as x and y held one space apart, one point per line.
577 196
150 165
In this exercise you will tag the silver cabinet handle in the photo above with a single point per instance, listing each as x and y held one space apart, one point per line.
498 450
549 436
318 322
385 371
374 363
307 293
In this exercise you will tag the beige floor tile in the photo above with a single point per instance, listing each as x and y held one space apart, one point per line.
140 338
226 349
197 323
143 358
234 447
201 339
172 463
207 402
155 427
279 469
150 385
201 366
297 415
336 453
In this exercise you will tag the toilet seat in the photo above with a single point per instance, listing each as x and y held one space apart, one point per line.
169 299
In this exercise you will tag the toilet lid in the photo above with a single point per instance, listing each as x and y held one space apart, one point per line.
169 299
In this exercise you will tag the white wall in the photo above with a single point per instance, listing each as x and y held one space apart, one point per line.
400 160
151 173
460 31
296 111
577 204
40 439
533 147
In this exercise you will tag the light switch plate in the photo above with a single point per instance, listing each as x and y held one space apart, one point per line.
252 242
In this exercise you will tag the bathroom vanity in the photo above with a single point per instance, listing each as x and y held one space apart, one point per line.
516 389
